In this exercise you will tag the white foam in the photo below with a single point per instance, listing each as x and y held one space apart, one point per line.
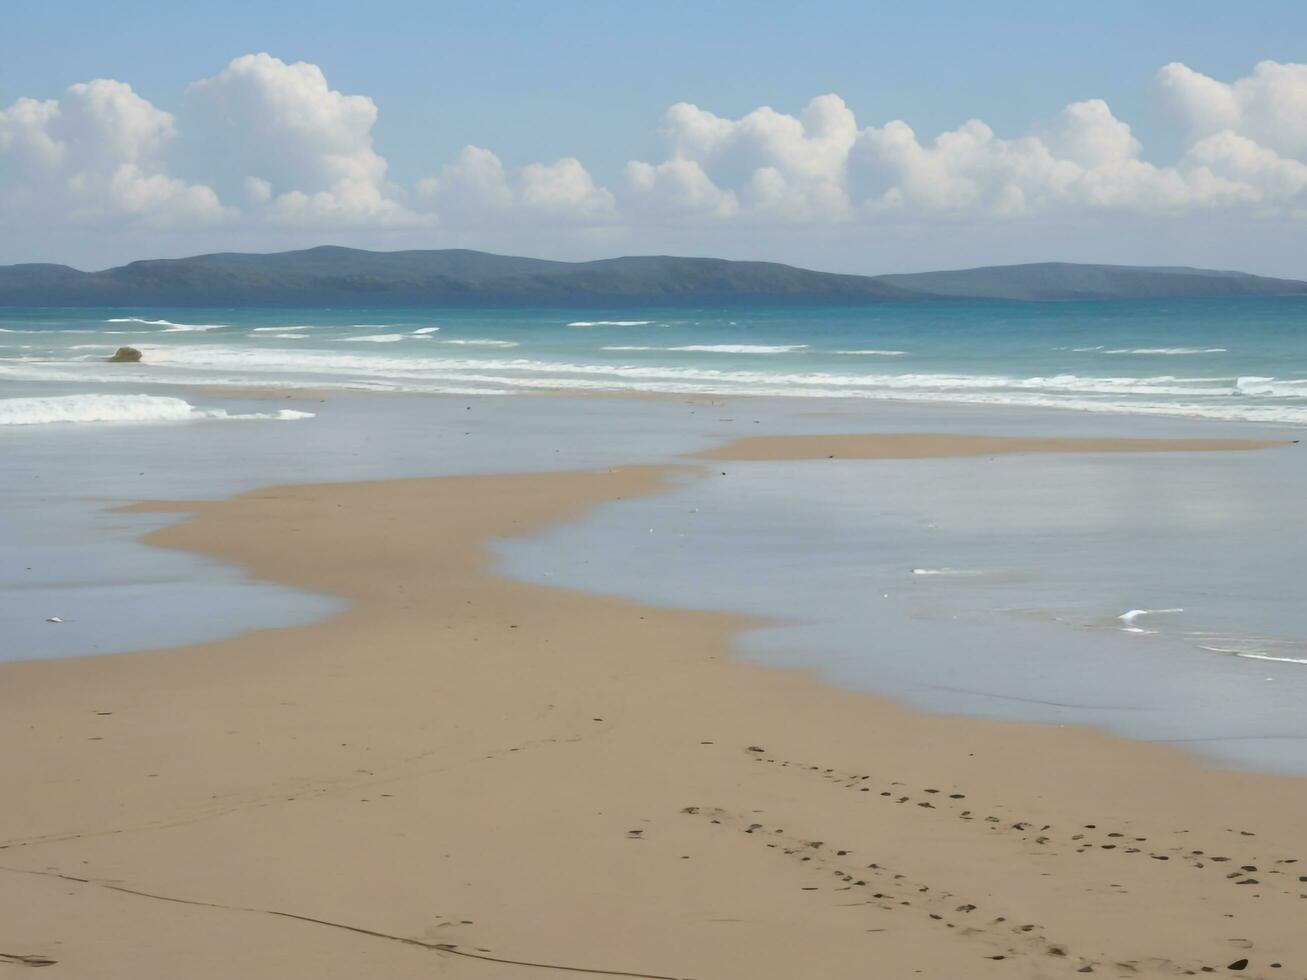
440 369
1255 655
378 338
610 323
1133 615
117 408
1160 350
169 326
421 331
1254 386
482 343
724 348
284 336
943 571
875 353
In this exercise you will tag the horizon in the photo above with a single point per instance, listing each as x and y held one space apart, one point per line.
897 143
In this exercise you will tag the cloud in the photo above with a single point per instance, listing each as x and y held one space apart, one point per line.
679 188
271 147
281 127
477 186
1268 107
95 155
1246 151
789 167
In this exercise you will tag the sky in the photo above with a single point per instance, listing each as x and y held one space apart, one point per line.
856 137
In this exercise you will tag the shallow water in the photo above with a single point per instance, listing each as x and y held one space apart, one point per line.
1035 559
996 587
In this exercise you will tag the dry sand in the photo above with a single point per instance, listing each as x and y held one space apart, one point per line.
469 777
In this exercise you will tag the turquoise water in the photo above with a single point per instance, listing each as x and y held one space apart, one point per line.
1239 359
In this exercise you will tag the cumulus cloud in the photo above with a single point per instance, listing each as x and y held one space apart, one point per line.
96 154
281 127
790 167
1247 148
264 142
477 186
1269 106
679 188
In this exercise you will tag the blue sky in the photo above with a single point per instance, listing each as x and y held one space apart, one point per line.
543 82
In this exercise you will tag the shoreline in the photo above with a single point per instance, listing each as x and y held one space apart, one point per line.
596 829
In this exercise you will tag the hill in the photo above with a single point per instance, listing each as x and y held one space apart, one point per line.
331 275
1066 280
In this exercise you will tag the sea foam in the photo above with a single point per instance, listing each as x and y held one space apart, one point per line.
1131 617
168 325
723 348
118 408
610 323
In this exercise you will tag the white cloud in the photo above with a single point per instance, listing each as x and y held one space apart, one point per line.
790 167
299 157
679 187
477 186
1269 106
283 126
258 190
565 189
95 155
819 166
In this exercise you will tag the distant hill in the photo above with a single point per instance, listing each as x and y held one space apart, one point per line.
1067 280
330 275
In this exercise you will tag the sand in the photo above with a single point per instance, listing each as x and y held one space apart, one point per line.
939 445
469 777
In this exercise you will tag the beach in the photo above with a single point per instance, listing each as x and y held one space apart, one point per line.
462 774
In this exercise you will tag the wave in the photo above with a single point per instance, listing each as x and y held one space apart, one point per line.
723 348
1160 350
423 331
118 408
944 571
377 338
482 343
1255 655
741 348
1134 615
284 336
611 323
1164 395
169 326
877 353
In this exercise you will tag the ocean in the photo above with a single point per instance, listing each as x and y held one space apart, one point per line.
1240 359
1159 596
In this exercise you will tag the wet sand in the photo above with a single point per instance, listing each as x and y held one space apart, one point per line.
942 445
472 777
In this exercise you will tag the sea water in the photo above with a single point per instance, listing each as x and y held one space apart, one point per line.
1159 596
1235 359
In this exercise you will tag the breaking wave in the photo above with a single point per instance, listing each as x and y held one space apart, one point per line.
118 408
168 325
610 323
